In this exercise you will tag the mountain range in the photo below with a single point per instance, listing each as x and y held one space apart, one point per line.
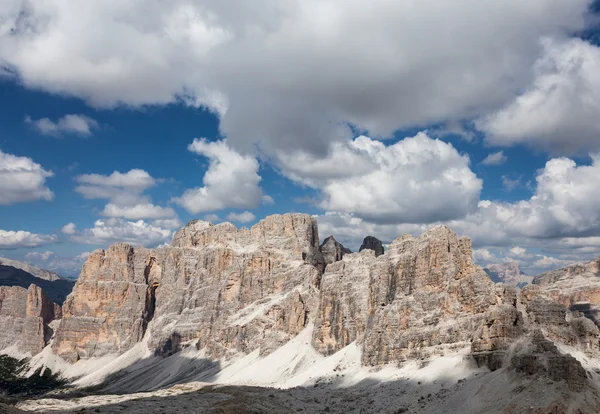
268 320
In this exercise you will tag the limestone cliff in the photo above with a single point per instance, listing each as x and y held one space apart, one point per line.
218 288
230 291
24 318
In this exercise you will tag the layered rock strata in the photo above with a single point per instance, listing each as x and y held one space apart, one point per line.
218 288
24 318
230 291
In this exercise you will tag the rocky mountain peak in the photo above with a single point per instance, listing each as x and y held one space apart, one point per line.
372 243
509 272
32 270
332 250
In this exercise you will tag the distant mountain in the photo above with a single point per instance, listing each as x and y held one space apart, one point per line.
35 271
14 273
509 273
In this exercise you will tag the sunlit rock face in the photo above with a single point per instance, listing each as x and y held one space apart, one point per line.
231 291
423 294
223 289
24 318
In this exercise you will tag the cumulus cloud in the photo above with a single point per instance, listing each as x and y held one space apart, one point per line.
138 211
336 65
560 110
560 222
416 180
510 184
113 230
244 217
115 185
69 124
15 239
63 265
21 179
40 256
212 218
231 180
69 228
125 194
495 158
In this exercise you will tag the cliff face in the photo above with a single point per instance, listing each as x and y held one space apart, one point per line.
230 291
24 318
219 288
424 293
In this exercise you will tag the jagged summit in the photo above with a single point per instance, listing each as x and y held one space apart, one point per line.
332 250
372 243
220 293
509 273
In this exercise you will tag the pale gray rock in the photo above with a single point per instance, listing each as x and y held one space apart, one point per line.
24 318
218 288
509 273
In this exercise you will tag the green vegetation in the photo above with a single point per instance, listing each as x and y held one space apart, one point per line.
12 383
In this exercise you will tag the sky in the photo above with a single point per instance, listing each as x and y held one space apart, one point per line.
123 120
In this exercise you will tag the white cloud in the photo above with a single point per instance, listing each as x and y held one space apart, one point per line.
169 223
557 225
64 266
138 211
267 199
40 256
560 110
495 158
231 181
68 124
21 179
416 180
16 239
113 185
510 184
484 256
212 218
335 64
115 230
69 228
244 217
125 194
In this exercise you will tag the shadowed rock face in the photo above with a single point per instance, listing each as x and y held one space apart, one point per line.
24 318
372 243
56 289
332 250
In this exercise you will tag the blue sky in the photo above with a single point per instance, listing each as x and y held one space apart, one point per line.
364 121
